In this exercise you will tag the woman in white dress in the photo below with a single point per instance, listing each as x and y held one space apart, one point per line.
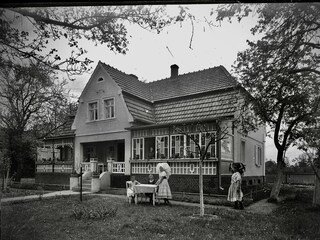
164 191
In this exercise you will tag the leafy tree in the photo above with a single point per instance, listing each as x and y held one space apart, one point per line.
271 167
30 33
302 163
281 70
28 95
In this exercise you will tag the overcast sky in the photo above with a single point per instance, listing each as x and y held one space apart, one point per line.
150 55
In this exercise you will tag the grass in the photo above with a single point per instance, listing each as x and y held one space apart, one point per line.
16 192
56 219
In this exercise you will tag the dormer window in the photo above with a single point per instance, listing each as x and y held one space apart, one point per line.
109 108
100 79
93 111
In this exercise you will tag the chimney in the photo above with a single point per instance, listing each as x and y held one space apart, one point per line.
134 76
174 70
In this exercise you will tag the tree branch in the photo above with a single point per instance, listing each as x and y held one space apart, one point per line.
306 69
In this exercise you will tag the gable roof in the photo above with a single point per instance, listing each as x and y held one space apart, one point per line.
192 96
207 80
128 83
202 81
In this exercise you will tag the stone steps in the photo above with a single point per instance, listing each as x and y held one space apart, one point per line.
84 189
86 186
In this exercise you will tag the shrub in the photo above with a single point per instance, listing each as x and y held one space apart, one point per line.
94 212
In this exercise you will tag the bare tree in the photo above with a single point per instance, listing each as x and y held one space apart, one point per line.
208 137
30 97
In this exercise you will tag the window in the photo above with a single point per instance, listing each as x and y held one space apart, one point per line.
205 140
258 155
93 111
149 152
137 148
100 79
177 146
243 151
162 144
109 108
192 151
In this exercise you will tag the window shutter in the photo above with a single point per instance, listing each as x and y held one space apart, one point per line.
256 154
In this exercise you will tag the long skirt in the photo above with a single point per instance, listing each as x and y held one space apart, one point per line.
164 190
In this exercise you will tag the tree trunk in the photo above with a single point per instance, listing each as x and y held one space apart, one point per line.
6 179
277 184
201 189
316 192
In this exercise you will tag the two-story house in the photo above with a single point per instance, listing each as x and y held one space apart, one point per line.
125 127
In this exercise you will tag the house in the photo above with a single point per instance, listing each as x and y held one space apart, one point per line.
124 127
55 159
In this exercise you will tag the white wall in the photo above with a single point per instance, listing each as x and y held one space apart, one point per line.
253 139
101 129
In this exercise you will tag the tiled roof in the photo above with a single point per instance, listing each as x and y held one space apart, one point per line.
140 110
128 83
192 83
169 100
203 107
206 80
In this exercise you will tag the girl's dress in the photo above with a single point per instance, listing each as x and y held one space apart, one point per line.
164 191
130 189
233 194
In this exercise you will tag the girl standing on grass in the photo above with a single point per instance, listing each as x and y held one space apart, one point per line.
235 193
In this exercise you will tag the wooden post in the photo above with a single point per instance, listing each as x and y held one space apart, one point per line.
80 184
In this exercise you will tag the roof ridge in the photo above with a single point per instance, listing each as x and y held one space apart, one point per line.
169 78
129 75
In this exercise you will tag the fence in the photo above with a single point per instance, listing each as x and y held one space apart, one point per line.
293 178
54 168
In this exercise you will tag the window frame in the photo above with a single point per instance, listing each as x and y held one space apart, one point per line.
214 144
168 147
196 149
242 151
110 106
141 148
183 146
95 111
258 155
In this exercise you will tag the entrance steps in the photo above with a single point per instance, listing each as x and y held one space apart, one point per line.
86 186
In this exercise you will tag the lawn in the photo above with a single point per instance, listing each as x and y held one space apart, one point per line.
16 192
111 218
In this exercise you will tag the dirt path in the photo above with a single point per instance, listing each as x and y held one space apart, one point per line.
262 206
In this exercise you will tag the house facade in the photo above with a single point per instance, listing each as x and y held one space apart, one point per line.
55 158
124 127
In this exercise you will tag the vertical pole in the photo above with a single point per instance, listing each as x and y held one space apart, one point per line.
219 157
80 184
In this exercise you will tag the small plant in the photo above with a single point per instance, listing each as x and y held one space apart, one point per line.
98 212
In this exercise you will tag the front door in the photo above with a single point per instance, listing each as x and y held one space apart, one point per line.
120 152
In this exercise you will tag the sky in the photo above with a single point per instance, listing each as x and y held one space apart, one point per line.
150 54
